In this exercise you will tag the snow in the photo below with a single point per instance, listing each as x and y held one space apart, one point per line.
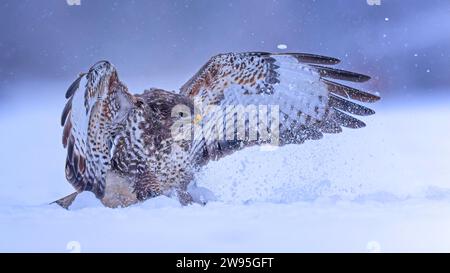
382 188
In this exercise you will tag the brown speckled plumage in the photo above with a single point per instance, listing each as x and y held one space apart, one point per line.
121 146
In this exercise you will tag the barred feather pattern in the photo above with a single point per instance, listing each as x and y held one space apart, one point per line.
310 103
92 106
118 141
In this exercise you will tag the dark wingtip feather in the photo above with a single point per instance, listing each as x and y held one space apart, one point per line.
66 111
314 59
328 72
66 133
350 107
347 120
350 92
73 87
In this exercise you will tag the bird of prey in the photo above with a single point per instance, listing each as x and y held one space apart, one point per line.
126 148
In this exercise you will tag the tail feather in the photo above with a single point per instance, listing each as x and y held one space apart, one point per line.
66 201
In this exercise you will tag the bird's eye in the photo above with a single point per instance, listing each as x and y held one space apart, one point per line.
181 114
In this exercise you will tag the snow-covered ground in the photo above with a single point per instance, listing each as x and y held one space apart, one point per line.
382 188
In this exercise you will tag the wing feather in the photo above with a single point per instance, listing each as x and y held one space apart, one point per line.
350 92
348 106
312 58
73 87
66 111
348 121
82 170
298 83
328 72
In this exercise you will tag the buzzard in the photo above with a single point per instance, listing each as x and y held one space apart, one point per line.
126 148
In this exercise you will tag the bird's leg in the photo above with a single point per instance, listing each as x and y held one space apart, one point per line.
184 197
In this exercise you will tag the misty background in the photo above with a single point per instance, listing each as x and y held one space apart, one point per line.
386 185
403 45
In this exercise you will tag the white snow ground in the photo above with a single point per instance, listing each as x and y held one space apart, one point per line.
382 188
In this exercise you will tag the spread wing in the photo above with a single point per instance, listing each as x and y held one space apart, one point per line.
301 85
81 118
